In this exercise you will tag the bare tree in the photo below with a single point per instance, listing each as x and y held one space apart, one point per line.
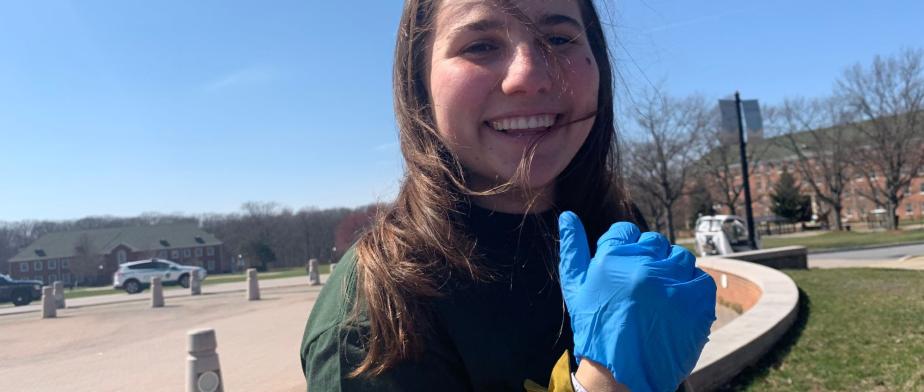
814 133
661 160
886 101
86 260
721 165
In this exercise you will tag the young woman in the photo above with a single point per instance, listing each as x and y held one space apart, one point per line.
505 112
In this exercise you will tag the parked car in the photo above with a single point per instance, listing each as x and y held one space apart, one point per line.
723 235
135 276
19 292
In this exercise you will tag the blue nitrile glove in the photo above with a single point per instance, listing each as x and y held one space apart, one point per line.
639 307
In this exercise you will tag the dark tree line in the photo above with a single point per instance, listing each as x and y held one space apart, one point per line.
266 234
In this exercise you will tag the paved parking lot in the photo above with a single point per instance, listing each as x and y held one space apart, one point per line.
129 346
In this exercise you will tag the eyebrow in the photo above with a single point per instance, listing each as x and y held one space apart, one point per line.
493 24
557 19
480 26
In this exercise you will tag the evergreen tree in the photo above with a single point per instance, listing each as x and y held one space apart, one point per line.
788 201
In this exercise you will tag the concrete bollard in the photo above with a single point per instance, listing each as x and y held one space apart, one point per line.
157 293
253 285
49 310
59 294
314 277
195 285
203 372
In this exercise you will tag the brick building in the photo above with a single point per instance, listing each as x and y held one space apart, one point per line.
774 159
92 256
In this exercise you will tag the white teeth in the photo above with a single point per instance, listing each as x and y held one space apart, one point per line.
530 122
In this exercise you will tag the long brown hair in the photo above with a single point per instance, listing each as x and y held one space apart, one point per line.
420 241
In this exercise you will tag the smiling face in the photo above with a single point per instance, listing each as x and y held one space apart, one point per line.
504 78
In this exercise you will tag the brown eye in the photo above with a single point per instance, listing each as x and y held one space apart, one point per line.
558 40
479 48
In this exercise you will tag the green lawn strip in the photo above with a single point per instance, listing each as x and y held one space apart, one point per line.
848 239
842 240
210 280
863 330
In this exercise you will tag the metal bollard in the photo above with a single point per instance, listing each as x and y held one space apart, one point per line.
49 310
59 294
314 277
203 371
195 285
253 285
157 293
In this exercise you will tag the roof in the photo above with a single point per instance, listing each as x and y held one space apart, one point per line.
104 241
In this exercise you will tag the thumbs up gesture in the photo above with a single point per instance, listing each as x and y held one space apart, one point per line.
639 306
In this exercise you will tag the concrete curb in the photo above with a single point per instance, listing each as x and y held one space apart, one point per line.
747 338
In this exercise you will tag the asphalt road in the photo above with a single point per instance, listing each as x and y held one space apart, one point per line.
864 258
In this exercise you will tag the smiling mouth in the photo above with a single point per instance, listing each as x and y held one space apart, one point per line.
524 125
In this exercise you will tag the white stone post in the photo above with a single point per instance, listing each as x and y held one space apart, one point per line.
157 293
253 285
49 310
203 371
195 285
314 277
59 294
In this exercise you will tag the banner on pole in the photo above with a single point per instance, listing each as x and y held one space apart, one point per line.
753 119
729 114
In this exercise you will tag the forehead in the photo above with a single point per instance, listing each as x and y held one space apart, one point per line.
452 14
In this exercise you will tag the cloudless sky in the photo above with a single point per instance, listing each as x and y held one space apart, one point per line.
124 107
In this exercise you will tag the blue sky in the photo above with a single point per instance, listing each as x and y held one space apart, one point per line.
120 108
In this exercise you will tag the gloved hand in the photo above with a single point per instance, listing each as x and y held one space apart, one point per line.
639 307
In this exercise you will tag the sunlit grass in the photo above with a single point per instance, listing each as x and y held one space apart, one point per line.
859 330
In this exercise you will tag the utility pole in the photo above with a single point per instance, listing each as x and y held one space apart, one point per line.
742 145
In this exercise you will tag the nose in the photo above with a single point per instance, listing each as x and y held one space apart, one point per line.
528 72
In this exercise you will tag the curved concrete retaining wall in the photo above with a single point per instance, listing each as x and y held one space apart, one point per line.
770 302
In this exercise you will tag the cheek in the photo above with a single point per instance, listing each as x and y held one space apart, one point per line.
459 96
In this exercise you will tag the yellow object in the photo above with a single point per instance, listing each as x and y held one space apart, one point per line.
559 381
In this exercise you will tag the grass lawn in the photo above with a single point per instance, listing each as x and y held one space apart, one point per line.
858 330
209 280
846 239
841 239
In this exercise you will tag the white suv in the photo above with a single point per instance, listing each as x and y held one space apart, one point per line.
134 276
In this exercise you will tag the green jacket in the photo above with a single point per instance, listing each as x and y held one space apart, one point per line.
498 336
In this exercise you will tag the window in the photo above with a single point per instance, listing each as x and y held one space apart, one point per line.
142 266
52 278
211 265
121 256
66 278
187 253
922 187
211 250
198 252
23 267
174 254
64 263
52 264
160 266
162 254
908 208
37 266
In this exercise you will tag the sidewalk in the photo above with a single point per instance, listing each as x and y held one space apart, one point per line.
36 306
